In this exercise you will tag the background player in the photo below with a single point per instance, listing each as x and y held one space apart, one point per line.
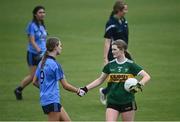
36 33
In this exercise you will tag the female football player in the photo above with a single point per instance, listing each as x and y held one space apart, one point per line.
36 33
120 101
47 77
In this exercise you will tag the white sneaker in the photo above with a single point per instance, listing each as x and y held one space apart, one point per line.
102 96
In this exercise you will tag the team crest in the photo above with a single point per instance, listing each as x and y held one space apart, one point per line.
126 69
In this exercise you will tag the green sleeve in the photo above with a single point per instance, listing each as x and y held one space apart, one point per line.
106 69
135 69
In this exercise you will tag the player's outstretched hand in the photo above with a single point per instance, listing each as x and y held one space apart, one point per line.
82 91
136 88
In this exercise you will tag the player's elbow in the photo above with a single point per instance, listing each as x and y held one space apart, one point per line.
65 86
34 83
148 77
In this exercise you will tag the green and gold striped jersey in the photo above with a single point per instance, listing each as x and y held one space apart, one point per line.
118 74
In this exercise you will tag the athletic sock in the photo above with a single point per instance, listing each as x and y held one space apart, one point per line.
19 88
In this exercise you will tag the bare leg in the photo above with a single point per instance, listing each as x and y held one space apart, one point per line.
28 79
53 116
64 116
128 116
111 115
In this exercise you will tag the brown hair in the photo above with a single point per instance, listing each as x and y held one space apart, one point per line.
34 12
121 45
51 43
118 6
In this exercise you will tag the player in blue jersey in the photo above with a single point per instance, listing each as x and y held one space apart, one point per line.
36 33
116 28
47 77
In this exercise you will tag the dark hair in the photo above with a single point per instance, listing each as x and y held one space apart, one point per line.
51 43
118 6
121 45
35 10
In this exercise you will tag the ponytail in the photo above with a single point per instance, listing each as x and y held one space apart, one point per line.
44 59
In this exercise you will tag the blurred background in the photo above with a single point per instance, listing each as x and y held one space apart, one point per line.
154 40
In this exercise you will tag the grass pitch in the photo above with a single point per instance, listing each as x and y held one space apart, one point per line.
154 43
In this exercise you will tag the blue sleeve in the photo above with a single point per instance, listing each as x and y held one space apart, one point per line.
59 73
30 30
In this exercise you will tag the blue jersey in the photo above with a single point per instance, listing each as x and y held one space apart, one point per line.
40 36
48 78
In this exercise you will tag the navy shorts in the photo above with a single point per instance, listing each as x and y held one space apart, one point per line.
53 107
33 59
123 108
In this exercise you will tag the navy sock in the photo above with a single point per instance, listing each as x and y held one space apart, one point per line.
105 91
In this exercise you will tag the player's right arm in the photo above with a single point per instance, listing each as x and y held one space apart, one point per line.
107 44
35 78
35 82
68 86
31 36
98 81
105 73
32 41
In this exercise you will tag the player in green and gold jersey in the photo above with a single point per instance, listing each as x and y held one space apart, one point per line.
118 71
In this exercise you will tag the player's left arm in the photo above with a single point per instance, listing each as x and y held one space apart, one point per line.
145 77
68 86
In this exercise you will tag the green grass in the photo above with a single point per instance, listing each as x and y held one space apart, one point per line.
154 44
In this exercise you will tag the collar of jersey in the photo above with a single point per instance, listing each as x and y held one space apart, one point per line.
51 57
117 19
121 62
